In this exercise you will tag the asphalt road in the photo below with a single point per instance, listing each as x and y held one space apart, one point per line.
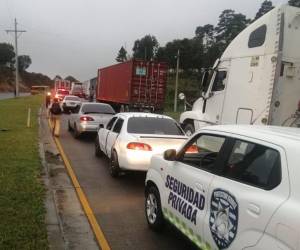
118 204
8 95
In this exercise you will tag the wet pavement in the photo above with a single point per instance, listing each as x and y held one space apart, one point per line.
118 204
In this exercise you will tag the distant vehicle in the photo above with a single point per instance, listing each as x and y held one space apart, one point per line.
230 187
89 88
130 139
34 90
257 79
134 85
62 84
77 89
70 102
88 117
61 93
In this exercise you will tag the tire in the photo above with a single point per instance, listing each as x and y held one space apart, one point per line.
189 129
98 151
153 211
69 127
114 168
76 133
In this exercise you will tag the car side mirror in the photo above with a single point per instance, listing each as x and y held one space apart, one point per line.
170 155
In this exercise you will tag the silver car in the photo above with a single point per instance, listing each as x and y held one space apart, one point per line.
88 118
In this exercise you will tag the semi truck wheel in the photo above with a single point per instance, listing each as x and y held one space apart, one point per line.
189 129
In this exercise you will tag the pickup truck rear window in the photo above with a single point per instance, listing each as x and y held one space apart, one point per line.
254 164
153 125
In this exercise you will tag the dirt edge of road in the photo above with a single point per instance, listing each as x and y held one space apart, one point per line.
66 222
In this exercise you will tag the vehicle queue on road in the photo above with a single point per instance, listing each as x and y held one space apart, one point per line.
225 187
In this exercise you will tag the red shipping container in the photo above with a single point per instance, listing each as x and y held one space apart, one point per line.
134 84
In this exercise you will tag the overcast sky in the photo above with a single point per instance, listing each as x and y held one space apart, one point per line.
75 37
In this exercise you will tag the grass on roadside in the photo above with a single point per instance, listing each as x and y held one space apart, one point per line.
22 212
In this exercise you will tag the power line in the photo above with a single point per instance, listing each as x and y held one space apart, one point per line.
17 33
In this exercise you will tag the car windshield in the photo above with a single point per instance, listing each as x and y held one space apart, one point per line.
97 108
62 92
72 98
153 125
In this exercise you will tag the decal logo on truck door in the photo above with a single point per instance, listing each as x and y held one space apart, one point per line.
223 221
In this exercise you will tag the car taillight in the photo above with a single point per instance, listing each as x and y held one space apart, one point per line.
86 119
139 146
193 149
299 106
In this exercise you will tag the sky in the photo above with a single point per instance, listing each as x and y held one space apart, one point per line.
76 37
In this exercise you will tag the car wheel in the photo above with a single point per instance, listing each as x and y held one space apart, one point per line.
114 168
98 151
69 126
189 129
76 133
153 209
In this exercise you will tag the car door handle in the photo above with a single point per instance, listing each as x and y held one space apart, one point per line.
253 209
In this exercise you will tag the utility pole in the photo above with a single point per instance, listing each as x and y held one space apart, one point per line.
176 83
16 31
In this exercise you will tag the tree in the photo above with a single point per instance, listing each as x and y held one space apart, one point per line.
71 79
145 48
57 77
229 26
206 34
295 3
24 62
7 54
265 7
122 55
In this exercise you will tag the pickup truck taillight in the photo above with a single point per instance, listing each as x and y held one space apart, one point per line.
139 146
86 119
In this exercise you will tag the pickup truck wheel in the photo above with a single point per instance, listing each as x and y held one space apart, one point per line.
189 129
153 209
69 127
98 151
114 168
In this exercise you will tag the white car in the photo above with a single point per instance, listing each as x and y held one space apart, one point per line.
130 140
89 117
70 102
230 187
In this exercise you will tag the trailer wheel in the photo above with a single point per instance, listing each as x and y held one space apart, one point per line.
189 129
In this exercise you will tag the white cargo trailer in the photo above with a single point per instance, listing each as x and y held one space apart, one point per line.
257 79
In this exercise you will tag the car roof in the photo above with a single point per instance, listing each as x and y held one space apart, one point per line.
142 114
274 134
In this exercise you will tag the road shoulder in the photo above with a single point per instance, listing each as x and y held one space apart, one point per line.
67 225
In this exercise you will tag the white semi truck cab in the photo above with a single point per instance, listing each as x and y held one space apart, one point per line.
257 79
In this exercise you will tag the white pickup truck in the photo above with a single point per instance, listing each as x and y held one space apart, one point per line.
257 79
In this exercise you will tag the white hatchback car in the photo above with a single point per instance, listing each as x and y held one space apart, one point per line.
131 139
230 187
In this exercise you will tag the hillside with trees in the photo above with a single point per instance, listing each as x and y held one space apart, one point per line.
199 52
7 71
